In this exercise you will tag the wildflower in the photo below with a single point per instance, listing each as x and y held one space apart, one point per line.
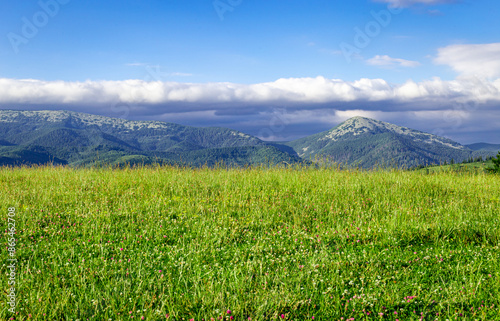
282 316
228 311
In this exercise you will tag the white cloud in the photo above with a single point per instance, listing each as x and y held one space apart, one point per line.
386 61
482 60
298 91
409 3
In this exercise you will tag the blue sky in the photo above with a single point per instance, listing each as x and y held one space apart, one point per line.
428 64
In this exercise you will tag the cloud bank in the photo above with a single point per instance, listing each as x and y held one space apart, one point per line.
294 91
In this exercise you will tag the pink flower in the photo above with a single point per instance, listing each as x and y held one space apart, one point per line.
231 318
142 318
282 316
121 249
228 311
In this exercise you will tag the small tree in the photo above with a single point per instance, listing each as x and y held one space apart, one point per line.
496 163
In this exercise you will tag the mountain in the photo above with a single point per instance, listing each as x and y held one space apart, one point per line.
79 139
367 143
484 147
64 137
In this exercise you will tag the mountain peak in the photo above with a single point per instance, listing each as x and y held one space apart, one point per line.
359 118
358 125
361 125
359 121
369 141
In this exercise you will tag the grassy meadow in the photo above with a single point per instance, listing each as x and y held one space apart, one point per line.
478 167
167 243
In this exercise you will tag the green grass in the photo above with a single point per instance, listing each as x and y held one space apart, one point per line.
465 167
103 244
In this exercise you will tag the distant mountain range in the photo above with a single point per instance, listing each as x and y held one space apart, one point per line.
79 139
63 137
484 147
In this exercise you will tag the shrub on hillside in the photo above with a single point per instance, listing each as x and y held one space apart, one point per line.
496 163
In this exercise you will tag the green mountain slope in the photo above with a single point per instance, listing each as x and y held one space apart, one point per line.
367 142
63 137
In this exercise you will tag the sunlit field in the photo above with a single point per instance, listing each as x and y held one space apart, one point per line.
166 243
